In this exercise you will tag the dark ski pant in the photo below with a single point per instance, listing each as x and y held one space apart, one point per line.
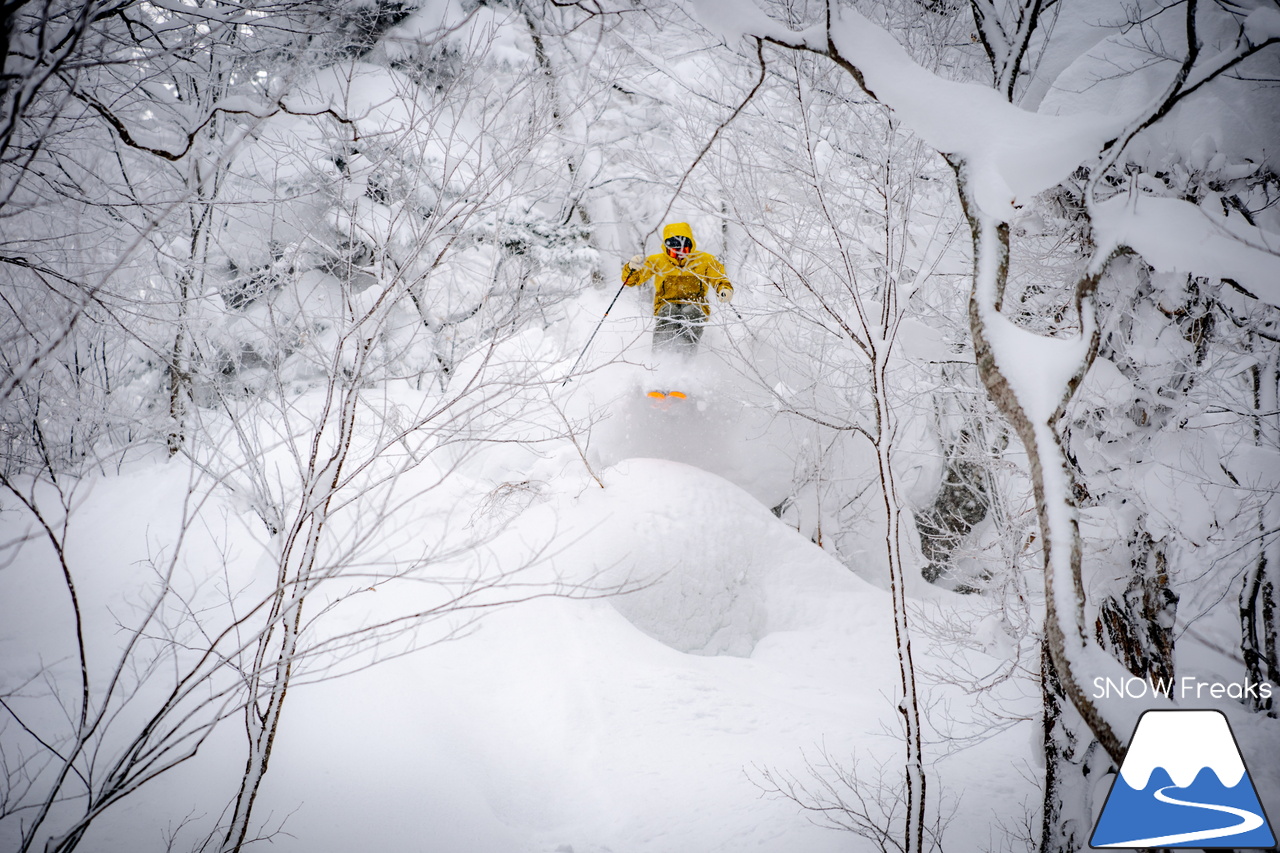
678 328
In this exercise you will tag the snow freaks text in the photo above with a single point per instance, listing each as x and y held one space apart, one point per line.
1187 687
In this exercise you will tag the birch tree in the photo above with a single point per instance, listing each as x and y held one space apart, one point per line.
840 213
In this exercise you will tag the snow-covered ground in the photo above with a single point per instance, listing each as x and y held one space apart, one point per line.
657 720
637 723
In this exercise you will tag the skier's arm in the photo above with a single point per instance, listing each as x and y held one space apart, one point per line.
718 281
636 271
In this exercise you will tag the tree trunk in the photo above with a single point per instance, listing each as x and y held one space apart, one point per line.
1137 627
1258 617
1069 749
300 569
909 705
179 375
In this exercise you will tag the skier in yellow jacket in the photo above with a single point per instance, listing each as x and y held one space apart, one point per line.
683 278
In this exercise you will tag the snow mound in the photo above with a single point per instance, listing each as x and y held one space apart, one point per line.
717 428
715 570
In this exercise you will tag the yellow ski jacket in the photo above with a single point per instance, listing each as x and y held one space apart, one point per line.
686 281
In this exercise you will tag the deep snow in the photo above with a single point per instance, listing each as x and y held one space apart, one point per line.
641 722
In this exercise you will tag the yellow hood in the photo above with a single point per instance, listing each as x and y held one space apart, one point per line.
679 229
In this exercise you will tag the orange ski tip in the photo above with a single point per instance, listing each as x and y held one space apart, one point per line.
657 395
679 394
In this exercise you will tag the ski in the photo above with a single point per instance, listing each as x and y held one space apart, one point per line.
662 399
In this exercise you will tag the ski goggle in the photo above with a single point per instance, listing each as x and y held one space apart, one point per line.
678 246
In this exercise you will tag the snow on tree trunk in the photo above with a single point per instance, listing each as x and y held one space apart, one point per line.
1073 764
1030 378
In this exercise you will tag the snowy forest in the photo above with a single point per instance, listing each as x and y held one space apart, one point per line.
338 511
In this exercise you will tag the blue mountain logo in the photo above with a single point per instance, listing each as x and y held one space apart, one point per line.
1183 783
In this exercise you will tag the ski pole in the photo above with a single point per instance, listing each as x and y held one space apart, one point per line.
744 322
587 345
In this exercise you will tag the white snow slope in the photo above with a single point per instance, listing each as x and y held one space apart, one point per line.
643 722
607 725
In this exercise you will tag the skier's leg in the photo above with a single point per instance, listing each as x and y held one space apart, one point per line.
667 327
692 321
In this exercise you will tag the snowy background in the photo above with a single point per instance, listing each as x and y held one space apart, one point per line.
323 528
